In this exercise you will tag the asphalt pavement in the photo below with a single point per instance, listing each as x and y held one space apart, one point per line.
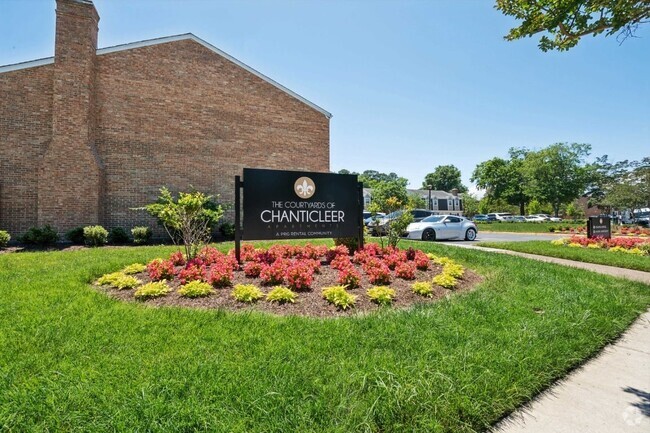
509 237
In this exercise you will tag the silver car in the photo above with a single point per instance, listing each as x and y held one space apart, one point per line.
442 227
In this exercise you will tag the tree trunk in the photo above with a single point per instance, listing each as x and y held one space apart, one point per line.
522 208
556 209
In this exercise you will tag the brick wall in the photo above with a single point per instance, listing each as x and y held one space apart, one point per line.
175 114
25 132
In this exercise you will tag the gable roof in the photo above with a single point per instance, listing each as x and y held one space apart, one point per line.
167 39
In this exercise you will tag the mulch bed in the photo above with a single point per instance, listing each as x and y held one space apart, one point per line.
309 303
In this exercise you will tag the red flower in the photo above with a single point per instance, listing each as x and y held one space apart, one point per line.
160 269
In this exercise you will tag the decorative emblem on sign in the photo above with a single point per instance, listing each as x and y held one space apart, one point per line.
304 187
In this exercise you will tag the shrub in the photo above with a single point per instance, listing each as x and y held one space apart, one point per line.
645 247
4 238
152 290
160 269
339 250
227 230
108 279
352 244
274 273
381 295
221 274
177 258
76 236
340 262
40 236
281 295
118 280
95 236
445 280
299 275
635 251
339 297
192 272
117 235
422 288
379 274
349 277
405 270
196 289
453 269
252 269
135 268
141 235
247 293
188 219
421 261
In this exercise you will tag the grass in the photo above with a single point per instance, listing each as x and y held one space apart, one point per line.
72 359
523 227
598 256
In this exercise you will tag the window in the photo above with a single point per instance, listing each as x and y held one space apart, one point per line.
452 219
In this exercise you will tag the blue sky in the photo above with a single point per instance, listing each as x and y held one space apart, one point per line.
411 84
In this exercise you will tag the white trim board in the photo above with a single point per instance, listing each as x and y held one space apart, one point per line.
163 40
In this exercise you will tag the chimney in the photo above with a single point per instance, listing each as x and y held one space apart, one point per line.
454 192
70 179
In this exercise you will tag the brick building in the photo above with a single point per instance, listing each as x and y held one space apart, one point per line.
91 133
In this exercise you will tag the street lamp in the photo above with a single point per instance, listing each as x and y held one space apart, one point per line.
429 207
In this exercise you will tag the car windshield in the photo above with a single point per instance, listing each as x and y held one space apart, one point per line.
433 219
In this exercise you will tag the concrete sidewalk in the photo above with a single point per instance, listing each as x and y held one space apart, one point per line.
609 394
630 274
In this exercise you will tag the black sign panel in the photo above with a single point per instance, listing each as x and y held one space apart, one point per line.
281 204
599 226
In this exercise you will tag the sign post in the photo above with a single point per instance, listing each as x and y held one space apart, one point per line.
599 226
281 204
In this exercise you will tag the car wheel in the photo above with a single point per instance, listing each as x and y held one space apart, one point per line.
429 235
470 235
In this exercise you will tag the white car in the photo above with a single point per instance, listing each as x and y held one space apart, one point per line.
442 227
535 219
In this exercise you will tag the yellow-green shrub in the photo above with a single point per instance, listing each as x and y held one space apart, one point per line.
196 289
617 249
445 280
453 269
152 290
338 296
422 288
135 268
118 280
247 293
281 295
559 242
594 246
636 251
575 245
381 295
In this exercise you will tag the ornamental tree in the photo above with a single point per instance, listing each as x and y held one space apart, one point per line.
188 219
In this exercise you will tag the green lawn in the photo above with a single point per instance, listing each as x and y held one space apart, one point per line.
72 359
598 256
523 227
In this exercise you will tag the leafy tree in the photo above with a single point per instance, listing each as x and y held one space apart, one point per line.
346 171
188 219
557 174
470 204
416 201
444 178
534 207
603 176
504 179
383 192
627 189
371 178
573 211
564 22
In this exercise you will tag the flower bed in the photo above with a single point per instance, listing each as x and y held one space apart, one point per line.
631 245
301 280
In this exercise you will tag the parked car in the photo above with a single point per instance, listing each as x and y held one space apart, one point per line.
482 218
519 219
378 227
500 216
442 227
367 220
535 219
